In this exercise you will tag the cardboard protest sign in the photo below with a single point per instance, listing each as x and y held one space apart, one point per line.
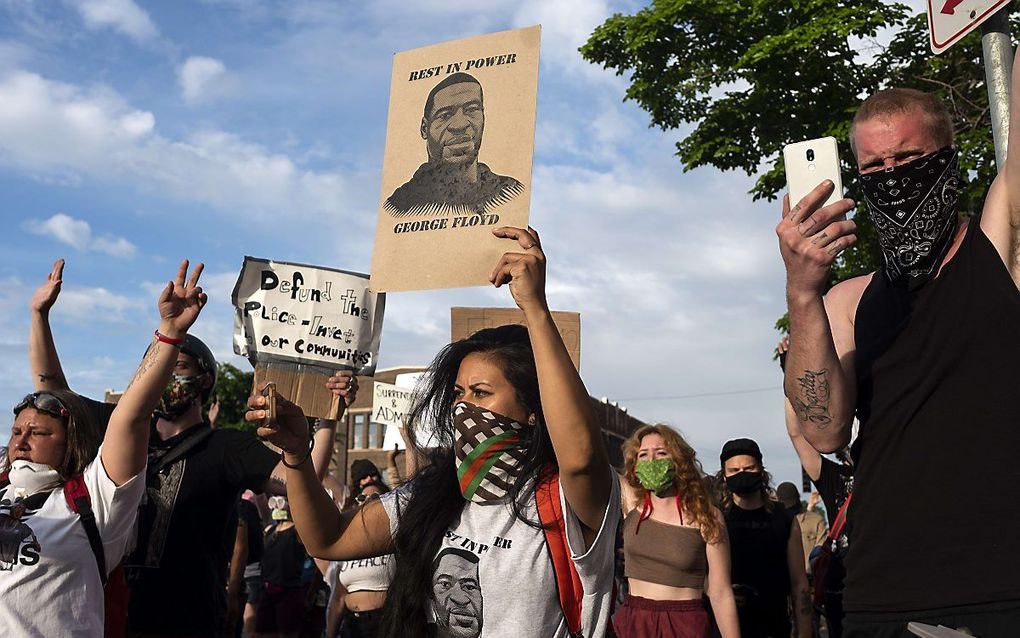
298 324
464 322
390 404
445 185
404 383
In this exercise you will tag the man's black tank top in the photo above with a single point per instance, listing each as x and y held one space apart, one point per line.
934 520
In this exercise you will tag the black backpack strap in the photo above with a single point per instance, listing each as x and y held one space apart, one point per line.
179 450
77 495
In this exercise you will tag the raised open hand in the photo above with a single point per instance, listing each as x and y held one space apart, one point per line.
289 432
524 271
46 295
180 302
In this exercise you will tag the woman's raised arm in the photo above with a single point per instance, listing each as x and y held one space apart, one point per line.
585 472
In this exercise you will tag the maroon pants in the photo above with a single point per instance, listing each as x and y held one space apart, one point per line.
644 618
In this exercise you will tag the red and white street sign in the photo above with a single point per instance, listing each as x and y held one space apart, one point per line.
950 20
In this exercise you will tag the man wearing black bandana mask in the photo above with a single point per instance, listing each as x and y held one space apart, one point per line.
187 524
924 353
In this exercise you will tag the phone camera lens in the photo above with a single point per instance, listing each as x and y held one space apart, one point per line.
810 155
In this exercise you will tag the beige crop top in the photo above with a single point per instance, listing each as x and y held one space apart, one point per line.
671 555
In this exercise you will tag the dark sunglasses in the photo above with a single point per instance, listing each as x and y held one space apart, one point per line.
44 402
361 499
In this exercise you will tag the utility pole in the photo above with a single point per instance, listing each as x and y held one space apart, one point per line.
998 57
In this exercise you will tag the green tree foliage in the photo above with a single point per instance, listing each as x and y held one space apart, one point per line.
743 78
233 387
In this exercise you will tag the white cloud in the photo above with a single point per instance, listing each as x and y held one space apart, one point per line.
52 127
201 79
77 234
120 15
99 305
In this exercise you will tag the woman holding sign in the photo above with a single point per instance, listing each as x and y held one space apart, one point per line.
509 529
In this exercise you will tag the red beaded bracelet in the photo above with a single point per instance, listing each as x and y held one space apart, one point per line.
165 339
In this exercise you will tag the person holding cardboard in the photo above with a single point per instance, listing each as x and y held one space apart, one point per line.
188 521
70 487
925 355
519 483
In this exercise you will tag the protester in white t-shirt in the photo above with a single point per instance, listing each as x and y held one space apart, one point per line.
510 420
50 584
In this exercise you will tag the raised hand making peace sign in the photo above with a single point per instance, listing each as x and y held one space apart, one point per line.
180 302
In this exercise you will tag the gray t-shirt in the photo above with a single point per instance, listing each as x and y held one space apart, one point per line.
493 576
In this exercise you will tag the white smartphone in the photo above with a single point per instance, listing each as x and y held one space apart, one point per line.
808 164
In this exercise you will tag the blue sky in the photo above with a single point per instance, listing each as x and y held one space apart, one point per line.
133 135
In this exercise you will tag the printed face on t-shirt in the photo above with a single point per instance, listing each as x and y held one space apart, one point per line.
458 595
480 381
37 437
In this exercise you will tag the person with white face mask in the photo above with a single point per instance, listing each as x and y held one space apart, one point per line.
195 476
69 492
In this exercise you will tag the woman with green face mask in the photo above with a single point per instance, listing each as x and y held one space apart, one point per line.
674 540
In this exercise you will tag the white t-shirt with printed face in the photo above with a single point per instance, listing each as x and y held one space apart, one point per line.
49 580
493 576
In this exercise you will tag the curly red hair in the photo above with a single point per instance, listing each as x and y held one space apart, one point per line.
689 476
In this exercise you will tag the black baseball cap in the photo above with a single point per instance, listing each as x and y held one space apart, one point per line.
736 447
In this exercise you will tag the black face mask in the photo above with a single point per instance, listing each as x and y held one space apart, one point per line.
914 208
744 483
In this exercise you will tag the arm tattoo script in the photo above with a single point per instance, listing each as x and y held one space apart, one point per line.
812 403
148 361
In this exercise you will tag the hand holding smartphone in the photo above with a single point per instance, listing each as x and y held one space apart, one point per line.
808 164
270 393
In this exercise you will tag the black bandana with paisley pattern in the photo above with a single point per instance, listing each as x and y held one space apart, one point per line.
914 208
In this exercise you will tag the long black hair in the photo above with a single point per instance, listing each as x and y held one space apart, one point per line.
435 500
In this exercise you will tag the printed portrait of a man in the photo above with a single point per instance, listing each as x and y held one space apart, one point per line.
452 180
457 594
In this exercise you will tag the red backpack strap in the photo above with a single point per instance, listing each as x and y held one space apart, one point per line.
837 525
77 495
550 512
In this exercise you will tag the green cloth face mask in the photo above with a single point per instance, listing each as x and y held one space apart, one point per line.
655 475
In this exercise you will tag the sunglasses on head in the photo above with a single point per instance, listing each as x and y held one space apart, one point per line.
43 402
361 499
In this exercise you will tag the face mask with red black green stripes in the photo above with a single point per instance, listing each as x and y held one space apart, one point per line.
490 452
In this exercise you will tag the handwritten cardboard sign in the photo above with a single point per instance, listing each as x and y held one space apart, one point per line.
389 408
297 324
459 143
464 322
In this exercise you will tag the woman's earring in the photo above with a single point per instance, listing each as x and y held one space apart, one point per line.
532 420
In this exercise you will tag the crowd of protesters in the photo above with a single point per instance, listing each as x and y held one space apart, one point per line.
130 520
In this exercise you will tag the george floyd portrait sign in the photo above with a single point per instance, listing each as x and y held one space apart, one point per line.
297 324
459 143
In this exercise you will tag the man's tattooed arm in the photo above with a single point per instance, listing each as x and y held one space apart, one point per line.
812 399
148 361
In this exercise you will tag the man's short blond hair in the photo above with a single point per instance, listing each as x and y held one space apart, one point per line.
895 101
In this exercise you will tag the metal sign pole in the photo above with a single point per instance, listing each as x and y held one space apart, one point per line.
998 57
